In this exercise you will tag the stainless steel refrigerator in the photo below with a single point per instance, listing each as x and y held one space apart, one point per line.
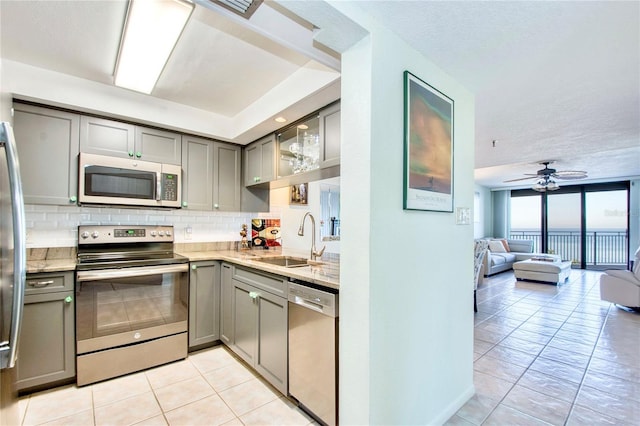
12 273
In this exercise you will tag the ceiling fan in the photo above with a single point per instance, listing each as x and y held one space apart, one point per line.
546 178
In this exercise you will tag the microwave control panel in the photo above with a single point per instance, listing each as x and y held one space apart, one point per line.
170 187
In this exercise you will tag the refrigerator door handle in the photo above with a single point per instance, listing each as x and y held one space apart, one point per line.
8 350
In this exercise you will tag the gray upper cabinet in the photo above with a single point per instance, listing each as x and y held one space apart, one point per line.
118 139
330 136
197 176
211 179
227 160
260 161
107 137
309 149
158 146
204 303
47 346
48 146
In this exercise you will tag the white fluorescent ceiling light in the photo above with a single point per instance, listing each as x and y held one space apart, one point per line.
151 32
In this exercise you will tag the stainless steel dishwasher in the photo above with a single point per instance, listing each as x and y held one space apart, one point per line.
313 349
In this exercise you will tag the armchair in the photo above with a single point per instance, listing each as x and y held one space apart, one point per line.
622 287
480 251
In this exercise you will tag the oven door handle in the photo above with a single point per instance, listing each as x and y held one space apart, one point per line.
138 271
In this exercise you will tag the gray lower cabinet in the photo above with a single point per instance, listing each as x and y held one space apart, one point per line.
204 303
226 304
48 146
211 179
47 341
259 321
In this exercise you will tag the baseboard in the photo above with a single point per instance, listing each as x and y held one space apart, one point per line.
453 408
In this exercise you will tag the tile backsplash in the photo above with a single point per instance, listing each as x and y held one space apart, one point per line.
57 226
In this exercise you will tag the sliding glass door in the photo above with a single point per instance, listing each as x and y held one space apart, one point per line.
525 219
606 229
564 226
586 224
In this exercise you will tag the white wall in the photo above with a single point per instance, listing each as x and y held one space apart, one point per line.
484 226
634 216
291 215
406 326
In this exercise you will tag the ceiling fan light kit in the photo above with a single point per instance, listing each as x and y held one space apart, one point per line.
546 178
545 184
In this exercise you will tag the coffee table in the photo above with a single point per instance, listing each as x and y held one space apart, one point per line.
556 271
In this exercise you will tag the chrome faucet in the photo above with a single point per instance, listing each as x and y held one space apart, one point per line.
314 253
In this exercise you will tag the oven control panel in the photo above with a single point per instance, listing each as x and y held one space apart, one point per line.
102 234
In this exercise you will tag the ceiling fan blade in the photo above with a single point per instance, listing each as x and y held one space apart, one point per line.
524 178
570 174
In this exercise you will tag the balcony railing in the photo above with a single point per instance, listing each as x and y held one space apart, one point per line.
604 248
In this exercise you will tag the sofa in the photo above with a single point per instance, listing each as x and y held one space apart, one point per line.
503 253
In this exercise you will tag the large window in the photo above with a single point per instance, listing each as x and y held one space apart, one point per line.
606 228
564 220
586 224
525 219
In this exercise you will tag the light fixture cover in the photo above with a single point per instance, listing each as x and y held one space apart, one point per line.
151 31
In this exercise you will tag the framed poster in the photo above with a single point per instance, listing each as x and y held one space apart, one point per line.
428 147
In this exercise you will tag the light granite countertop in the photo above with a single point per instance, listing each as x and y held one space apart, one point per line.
54 259
326 273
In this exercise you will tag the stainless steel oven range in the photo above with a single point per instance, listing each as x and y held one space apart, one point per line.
132 295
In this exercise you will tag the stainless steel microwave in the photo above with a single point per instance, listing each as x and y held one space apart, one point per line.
128 182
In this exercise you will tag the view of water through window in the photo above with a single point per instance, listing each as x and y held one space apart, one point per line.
605 232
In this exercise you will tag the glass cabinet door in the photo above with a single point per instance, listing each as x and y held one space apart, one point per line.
299 148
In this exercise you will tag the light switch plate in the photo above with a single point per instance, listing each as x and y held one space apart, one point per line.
463 216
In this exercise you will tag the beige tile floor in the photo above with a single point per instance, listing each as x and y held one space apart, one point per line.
210 387
547 354
544 354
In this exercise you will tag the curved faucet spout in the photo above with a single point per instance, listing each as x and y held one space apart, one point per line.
314 252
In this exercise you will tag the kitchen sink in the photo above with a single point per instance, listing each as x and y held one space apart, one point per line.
286 261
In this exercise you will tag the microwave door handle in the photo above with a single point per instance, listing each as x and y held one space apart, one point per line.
158 186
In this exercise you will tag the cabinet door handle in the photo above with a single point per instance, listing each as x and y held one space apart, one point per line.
73 199
68 299
254 295
39 284
194 267
138 154
216 206
130 153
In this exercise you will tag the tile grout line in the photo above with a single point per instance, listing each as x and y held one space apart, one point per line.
581 300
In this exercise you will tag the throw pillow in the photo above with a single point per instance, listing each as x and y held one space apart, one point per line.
496 246
506 246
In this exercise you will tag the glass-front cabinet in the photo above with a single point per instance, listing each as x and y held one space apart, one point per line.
299 148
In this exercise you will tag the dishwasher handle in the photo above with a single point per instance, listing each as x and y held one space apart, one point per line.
314 299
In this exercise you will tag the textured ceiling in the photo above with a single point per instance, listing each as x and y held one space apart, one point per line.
237 70
552 80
